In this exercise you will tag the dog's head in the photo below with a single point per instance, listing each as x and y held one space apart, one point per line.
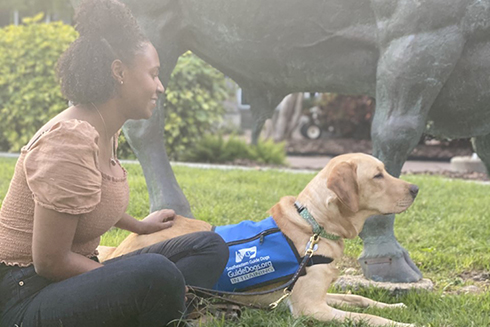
359 182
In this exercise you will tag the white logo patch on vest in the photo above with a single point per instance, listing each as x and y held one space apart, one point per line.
246 254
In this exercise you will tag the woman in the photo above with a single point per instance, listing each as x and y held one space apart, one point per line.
69 188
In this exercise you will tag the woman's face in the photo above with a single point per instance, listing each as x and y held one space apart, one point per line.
141 84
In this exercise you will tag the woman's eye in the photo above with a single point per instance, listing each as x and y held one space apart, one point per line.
380 175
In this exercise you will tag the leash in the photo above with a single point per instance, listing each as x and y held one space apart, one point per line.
287 287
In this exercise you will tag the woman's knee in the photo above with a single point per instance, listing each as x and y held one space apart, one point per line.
158 273
213 239
218 250
216 245
222 249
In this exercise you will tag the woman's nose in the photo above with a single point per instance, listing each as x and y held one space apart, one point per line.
160 87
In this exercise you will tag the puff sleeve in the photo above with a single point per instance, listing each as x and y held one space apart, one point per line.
61 168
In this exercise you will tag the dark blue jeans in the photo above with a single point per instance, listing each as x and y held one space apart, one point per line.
143 288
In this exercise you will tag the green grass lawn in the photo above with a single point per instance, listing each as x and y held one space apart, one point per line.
446 231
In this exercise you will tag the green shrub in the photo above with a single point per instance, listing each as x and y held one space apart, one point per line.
269 152
237 148
208 149
215 149
195 96
29 92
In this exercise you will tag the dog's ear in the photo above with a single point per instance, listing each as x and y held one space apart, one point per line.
343 182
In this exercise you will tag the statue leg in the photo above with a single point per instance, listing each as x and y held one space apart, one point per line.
147 141
262 105
411 71
481 145
146 137
383 258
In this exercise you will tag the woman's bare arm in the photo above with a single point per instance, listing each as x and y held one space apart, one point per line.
52 240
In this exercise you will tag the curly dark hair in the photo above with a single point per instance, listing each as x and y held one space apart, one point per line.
108 31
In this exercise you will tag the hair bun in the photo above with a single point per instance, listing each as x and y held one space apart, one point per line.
106 19
108 31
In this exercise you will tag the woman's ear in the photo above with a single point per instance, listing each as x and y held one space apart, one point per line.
118 71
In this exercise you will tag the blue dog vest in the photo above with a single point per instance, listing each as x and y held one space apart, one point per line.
265 256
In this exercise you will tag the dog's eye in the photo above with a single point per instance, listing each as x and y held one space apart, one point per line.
380 175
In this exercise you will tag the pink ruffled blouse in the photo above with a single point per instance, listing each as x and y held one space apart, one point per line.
59 171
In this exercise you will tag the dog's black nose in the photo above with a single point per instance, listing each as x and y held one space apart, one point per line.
414 190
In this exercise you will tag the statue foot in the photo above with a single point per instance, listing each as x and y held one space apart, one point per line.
388 262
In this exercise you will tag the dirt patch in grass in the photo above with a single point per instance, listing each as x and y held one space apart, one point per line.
350 264
480 279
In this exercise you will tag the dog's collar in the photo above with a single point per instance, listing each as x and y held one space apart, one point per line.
317 229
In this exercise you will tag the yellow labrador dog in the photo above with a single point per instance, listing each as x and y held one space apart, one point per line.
340 198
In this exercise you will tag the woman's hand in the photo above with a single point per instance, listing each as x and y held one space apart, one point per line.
154 222
157 221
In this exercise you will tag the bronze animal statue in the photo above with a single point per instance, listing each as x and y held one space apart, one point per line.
425 62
